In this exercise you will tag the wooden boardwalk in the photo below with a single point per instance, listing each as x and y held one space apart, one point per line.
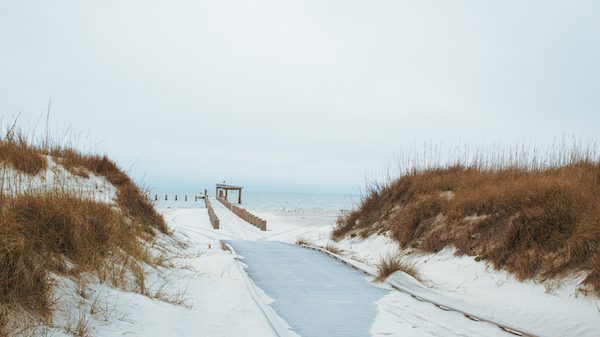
244 214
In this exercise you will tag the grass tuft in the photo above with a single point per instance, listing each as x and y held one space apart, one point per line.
16 152
390 264
302 241
332 248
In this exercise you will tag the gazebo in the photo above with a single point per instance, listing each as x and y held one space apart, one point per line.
223 189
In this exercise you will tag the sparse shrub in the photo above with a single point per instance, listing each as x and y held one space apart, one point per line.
391 263
16 152
302 241
332 248
79 326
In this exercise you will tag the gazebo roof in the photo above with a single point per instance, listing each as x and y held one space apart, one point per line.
229 187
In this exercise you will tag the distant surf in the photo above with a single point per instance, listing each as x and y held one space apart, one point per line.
262 201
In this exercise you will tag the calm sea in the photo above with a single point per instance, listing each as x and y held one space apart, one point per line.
275 202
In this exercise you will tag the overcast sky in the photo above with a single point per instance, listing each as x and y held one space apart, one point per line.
297 95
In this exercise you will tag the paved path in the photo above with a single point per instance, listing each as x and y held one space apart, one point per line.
315 294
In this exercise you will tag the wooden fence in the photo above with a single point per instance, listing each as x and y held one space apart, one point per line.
214 220
245 215
176 197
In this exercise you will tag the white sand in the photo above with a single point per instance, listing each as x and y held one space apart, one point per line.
222 306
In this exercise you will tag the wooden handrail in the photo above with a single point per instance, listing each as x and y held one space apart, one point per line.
214 220
244 214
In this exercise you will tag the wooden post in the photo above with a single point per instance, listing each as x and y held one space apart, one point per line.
240 196
166 197
175 197
263 225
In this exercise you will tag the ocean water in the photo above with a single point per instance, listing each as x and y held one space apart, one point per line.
261 201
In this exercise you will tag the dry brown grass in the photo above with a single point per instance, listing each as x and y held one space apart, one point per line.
16 152
129 196
302 241
390 264
59 232
139 209
332 248
28 158
535 222
40 234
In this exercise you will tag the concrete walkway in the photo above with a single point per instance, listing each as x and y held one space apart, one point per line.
315 294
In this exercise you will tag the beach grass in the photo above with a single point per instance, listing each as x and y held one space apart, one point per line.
58 231
534 216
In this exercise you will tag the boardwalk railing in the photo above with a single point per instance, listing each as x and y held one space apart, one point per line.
175 197
214 220
245 215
